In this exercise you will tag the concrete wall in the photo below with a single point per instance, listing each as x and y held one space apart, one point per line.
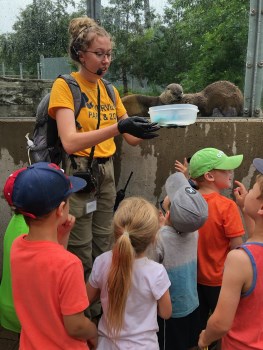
152 161
19 98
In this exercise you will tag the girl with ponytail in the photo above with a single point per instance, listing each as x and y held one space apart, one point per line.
132 288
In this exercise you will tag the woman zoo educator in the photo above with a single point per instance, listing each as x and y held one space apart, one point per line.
100 121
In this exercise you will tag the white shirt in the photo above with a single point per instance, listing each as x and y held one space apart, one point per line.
149 282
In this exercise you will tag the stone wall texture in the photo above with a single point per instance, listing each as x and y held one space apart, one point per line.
151 162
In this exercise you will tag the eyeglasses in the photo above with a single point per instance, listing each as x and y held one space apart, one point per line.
162 208
101 55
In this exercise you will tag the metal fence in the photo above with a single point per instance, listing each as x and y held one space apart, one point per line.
18 72
47 68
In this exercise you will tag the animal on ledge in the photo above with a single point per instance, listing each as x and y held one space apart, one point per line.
139 104
219 99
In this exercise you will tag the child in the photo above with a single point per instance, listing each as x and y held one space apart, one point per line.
239 311
8 318
47 280
176 249
132 288
223 230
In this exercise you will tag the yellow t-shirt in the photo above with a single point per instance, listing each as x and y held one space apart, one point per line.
88 117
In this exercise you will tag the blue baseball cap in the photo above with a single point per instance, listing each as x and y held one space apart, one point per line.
39 188
258 164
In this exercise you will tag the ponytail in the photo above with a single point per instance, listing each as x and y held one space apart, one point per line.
119 282
135 225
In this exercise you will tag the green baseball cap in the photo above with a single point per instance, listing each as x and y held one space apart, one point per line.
211 158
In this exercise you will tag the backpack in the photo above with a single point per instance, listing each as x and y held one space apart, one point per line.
45 144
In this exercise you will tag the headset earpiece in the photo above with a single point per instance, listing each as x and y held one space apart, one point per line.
75 50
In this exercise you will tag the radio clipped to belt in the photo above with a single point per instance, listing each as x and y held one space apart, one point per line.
92 183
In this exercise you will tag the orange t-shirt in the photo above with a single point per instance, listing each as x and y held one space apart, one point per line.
47 283
223 223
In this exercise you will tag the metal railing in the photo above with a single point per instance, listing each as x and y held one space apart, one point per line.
20 73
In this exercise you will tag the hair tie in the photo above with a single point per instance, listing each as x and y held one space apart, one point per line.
81 31
125 233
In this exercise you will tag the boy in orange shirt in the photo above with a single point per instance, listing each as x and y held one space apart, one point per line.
239 311
47 281
223 230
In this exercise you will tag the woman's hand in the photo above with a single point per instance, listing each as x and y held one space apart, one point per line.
138 127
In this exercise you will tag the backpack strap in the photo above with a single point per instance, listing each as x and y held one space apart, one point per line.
110 90
76 93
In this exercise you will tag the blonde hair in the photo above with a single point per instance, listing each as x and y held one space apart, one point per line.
135 226
83 30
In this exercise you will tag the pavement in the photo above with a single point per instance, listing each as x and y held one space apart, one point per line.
8 340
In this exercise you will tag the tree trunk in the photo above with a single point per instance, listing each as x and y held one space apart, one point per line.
124 80
147 17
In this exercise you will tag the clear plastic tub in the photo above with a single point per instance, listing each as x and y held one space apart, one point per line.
176 114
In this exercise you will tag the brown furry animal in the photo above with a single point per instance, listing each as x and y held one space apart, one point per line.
139 104
219 99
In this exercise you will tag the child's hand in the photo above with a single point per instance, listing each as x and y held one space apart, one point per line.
182 168
201 343
240 193
64 230
92 343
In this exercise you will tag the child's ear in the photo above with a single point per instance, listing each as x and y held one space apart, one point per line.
260 211
209 176
168 218
60 208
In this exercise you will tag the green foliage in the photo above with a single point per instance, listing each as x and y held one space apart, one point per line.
213 40
125 20
40 30
194 43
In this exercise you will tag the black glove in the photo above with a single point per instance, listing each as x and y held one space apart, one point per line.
138 127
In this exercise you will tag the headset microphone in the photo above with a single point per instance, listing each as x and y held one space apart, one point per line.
99 71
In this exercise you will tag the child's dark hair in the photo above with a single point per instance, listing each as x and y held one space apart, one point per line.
29 220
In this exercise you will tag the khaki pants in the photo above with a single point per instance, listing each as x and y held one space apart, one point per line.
91 234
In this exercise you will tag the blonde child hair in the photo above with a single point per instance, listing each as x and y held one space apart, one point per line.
135 225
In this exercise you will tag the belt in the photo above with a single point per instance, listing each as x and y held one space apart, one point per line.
101 160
